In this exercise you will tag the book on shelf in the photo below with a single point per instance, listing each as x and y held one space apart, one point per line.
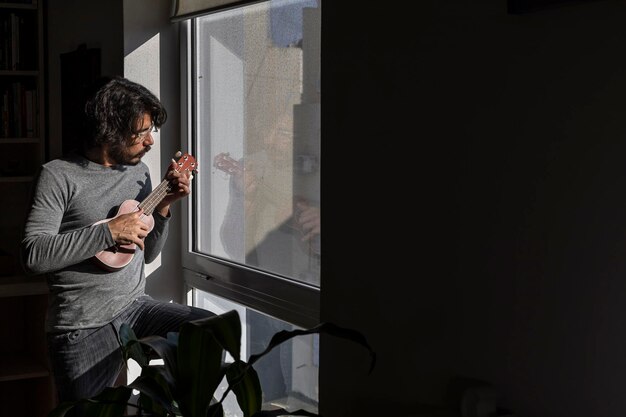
5 43
16 22
19 109
29 112
5 114
18 40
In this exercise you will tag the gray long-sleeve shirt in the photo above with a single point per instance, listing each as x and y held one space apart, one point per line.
60 240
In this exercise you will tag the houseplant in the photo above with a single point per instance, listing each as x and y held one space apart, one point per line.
193 366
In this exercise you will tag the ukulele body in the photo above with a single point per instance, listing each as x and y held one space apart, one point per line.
118 256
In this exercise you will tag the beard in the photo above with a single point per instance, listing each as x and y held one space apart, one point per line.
122 156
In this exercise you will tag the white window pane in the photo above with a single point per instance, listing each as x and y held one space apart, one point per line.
257 107
288 374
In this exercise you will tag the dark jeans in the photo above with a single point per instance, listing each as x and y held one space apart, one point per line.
86 361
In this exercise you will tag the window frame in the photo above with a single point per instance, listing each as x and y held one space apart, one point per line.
288 300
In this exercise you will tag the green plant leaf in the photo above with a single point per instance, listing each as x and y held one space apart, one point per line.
166 349
152 383
150 407
329 328
62 408
282 412
200 356
173 337
111 402
226 329
194 366
131 348
244 382
215 410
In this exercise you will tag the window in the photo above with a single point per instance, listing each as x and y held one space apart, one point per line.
253 124
288 374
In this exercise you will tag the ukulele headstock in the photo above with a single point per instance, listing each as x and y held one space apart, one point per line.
185 162
225 163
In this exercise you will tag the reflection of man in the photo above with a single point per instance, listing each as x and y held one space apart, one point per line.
267 227
292 249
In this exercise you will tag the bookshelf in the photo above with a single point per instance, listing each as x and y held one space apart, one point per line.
22 128
26 387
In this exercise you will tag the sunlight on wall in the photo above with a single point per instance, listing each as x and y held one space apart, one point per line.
143 66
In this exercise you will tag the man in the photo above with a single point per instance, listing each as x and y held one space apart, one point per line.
88 303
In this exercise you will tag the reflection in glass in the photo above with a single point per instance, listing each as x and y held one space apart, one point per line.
258 125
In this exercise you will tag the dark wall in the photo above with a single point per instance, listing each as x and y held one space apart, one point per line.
473 195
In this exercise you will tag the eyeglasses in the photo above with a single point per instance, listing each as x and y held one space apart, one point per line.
141 135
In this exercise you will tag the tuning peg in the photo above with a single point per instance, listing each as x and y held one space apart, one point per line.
178 154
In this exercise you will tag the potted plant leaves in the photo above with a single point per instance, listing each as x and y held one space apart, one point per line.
193 366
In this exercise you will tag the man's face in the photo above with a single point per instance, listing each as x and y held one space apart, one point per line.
130 153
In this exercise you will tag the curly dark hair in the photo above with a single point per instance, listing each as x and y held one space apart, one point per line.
114 108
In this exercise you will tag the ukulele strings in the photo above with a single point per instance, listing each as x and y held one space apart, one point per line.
158 194
150 203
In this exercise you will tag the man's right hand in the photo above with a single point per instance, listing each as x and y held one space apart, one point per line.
129 228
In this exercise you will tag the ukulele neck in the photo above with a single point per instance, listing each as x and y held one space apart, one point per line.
155 197
186 163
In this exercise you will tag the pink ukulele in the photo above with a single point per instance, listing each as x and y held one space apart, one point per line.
118 256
